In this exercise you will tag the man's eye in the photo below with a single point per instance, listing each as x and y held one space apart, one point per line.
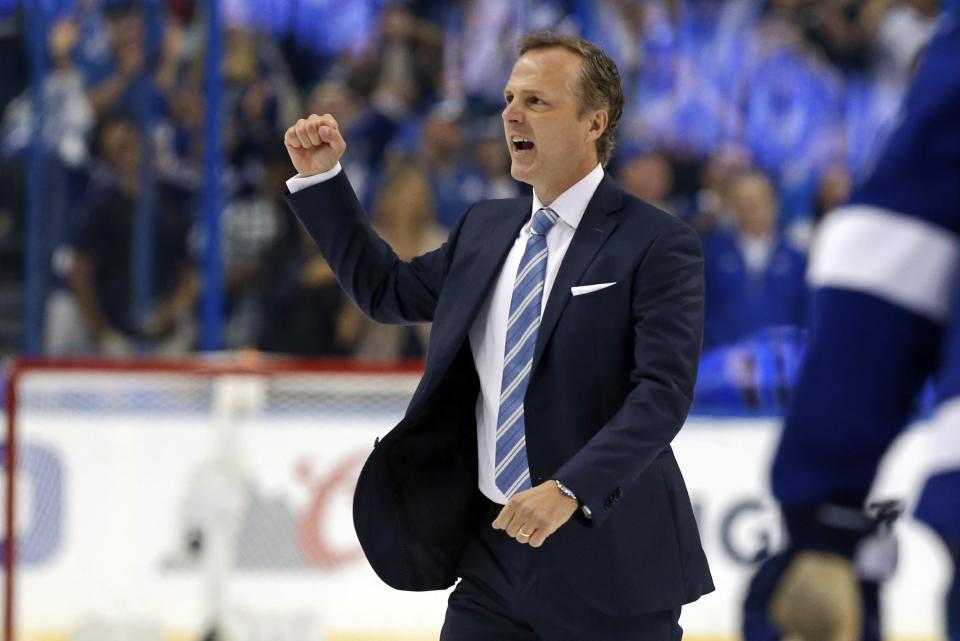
536 101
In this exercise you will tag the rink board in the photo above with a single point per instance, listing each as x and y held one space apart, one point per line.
103 542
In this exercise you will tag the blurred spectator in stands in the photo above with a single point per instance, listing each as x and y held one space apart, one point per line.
476 168
453 182
250 226
129 82
835 185
711 205
335 96
647 174
794 109
60 129
404 60
404 217
369 127
492 158
900 30
178 138
405 214
835 30
411 54
478 53
258 97
692 58
754 278
299 300
618 27
67 116
99 271
832 189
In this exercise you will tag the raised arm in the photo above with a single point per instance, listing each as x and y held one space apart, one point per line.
387 289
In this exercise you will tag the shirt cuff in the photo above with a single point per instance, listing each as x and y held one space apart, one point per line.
299 182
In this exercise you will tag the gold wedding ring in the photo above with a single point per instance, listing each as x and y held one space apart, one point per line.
525 534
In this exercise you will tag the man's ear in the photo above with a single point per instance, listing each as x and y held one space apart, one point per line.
598 124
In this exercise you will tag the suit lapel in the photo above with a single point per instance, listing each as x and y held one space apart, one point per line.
491 250
486 252
595 227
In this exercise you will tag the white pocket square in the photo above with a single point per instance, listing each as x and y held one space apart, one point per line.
579 290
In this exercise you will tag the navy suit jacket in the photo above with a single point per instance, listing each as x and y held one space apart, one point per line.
611 384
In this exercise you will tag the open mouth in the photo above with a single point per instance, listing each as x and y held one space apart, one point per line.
521 144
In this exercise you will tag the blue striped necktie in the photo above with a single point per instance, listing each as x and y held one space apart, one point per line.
512 472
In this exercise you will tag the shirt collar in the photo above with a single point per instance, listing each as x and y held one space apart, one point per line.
756 251
572 204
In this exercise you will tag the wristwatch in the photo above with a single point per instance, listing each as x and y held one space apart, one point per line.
566 491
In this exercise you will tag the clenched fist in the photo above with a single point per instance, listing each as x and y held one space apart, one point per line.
314 144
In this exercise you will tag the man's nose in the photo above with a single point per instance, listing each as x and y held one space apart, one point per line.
511 113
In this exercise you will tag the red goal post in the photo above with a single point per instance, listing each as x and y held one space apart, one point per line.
172 389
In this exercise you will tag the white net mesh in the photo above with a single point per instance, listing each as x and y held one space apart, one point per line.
155 395
162 505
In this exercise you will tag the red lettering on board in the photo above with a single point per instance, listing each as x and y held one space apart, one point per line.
314 525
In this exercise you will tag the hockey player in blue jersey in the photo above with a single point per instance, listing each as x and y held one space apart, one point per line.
886 317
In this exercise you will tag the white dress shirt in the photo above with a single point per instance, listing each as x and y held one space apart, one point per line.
488 334
299 182
756 252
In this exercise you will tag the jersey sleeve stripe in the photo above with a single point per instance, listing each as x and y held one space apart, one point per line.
897 258
944 434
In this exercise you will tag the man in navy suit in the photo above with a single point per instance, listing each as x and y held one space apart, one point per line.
534 460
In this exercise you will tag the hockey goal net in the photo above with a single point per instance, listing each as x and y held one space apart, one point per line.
181 500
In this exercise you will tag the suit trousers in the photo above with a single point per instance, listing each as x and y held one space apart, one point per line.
509 592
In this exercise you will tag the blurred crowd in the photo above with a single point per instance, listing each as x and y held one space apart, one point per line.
750 119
